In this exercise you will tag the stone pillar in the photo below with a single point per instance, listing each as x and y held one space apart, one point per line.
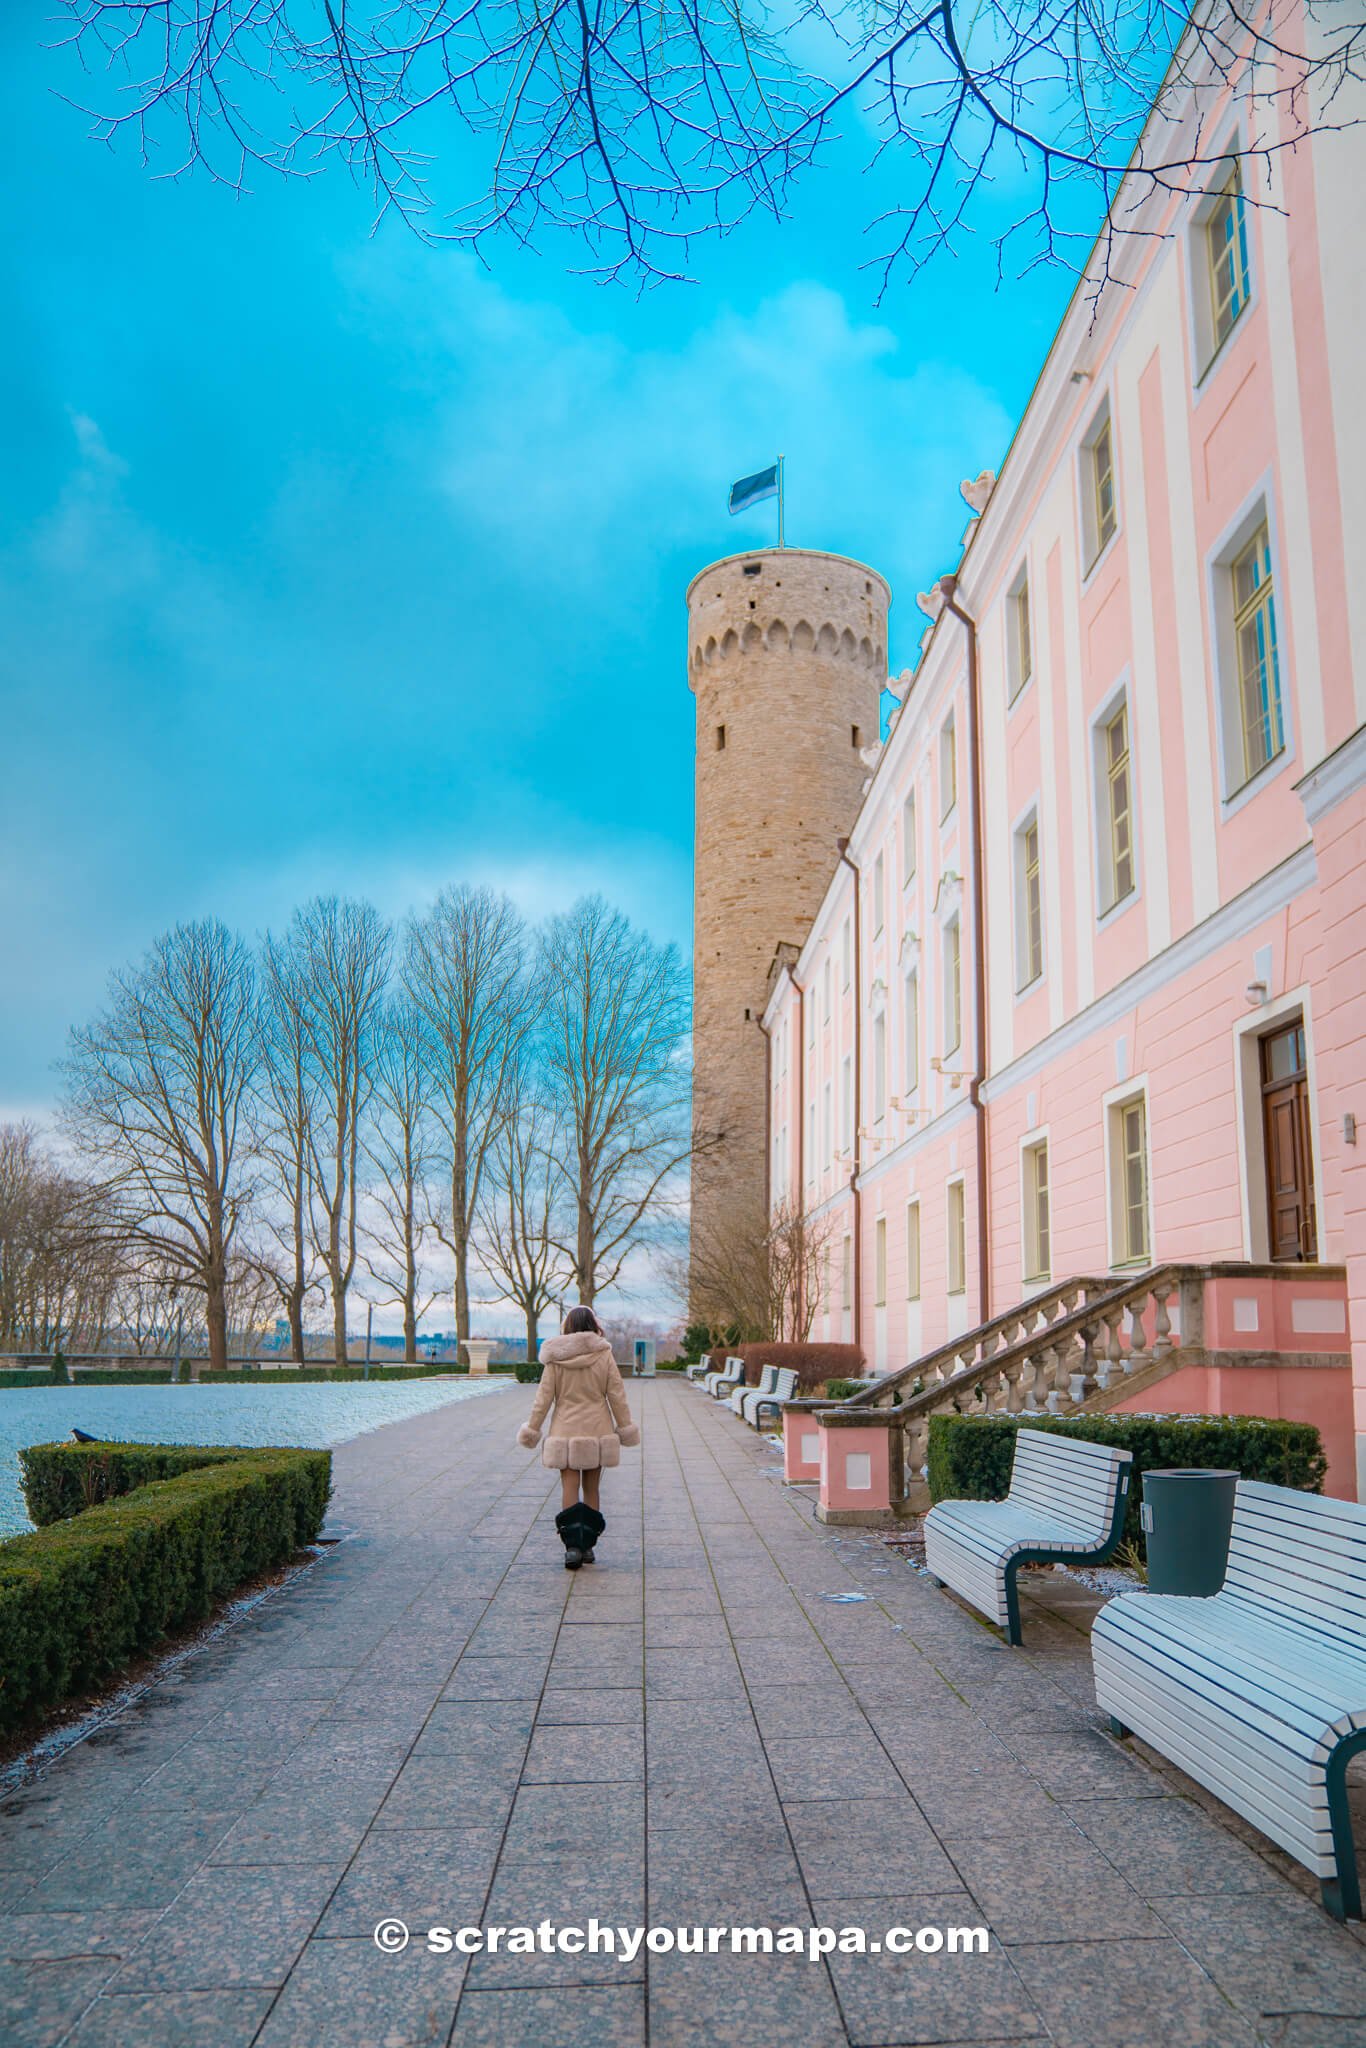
787 656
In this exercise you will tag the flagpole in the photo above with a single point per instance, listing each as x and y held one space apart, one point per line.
781 541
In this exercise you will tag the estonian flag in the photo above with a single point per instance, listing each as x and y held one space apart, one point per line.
752 490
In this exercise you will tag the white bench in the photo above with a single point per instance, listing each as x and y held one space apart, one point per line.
1065 1505
755 1401
720 1383
768 1377
701 1369
1259 1692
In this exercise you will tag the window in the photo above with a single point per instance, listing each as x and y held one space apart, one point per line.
825 989
1116 809
811 1142
1098 508
879 894
880 1262
957 1230
953 986
856 735
908 847
810 1010
879 1066
1259 679
847 1273
1019 647
948 768
720 738
1028 905
827 1125
847 1104
913 1251
846 954
1226 257
1036 1250
911 1006
1129 1180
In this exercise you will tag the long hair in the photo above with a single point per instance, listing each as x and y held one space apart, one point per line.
580 1319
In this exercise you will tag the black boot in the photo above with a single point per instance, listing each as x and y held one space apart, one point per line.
591 1526
571 1535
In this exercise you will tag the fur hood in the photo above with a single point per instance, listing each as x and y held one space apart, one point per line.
585 1347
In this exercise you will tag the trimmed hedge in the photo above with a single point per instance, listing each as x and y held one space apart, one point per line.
815 1363
840 1390
136 1539
970 1455
529 1372
300 1375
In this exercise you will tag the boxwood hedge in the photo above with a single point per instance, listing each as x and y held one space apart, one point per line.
133 1540
970 1455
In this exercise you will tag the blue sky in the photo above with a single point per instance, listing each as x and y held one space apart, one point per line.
338 562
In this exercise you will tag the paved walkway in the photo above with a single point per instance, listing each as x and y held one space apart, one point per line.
439 1723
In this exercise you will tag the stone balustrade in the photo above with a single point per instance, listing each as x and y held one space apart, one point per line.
1082 1346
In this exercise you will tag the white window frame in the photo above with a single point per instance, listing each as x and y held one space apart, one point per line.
1093 550
948 752
910 1029
913 1274
880 1066
1257 510
951 988
1206 350
879 894
910 848
1113 1105
828 1122
955 1236
1018 644
826 979
1025 981
1035 1271
879 1262
847 1104
1102 834
847 952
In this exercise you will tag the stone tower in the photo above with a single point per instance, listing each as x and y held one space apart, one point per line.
787 655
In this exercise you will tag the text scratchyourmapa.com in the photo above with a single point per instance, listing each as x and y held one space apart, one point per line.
600 1938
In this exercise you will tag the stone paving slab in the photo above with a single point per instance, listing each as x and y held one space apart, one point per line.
438 1723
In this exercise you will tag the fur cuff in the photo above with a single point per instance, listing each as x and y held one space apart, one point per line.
528 1437
630 1435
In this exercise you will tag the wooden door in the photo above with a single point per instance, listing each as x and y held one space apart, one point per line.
1289 1153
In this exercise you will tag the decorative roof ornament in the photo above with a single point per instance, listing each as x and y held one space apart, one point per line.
900 686
931 602
869 755
977 489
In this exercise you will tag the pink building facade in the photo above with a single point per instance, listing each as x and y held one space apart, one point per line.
1087 990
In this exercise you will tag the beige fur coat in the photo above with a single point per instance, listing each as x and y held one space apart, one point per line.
591 1422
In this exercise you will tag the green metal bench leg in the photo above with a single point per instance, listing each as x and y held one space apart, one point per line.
1342 1895
1119 1731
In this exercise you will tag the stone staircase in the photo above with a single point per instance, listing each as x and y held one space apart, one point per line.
1079 1348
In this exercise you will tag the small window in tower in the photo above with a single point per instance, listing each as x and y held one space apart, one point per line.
753 568
856 735
720 738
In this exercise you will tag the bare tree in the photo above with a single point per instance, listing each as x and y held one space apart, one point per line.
157 1091
762 1281
465 974
613 1049
633 129
520 1245
399 1151
286 1109
338 964
59 1249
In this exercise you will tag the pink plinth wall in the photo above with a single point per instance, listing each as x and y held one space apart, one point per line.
855 1468
1287 1313
800 1436
1287 1393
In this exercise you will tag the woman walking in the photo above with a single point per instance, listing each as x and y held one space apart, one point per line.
590 1423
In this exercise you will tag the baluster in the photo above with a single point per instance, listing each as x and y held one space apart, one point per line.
1012 1391
1036 1377
1084 1374
1162 1326
915 1438
1111 1371
1137 1354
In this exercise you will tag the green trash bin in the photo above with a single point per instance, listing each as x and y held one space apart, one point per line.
1186 1516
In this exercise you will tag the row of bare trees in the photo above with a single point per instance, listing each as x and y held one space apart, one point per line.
353 1103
